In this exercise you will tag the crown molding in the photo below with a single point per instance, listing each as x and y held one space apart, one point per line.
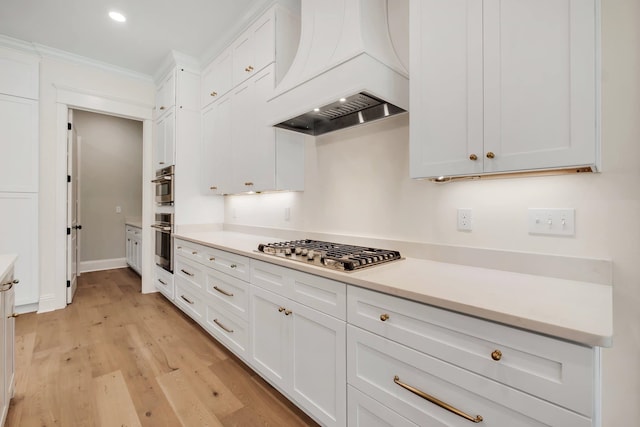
176 59
17 44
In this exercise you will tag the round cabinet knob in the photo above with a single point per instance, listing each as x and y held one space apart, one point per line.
496 355
473 157
490 155
384 317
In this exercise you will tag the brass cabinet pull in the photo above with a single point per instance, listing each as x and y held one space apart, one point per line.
287 312
162 107
249 69
194 252
281 309
7 286
222 326
248 183
161 163
162 281
212 258
384 317
496 355
186 272
223 292
14 315
213 188
179 247
213 93
233 266
490 155
436 401
186 299
473 157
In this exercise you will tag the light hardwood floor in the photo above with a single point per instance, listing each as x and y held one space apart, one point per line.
116 358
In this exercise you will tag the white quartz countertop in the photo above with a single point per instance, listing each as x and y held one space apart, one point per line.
134 222
6 261
567 309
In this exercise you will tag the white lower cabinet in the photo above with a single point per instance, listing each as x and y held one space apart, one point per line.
402 353
367 412
134 248
7 341
163 281
301 351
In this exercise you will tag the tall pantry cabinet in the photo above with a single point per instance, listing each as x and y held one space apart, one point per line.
19 86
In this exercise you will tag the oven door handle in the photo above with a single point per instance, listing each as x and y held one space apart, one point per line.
161 227
162 178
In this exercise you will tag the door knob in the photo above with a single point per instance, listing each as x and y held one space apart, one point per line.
77 227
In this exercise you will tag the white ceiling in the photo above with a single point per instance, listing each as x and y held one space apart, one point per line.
154 27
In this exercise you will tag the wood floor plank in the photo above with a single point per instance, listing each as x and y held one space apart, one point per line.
119 357
185 402
110 392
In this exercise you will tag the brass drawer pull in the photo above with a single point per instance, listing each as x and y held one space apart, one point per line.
436 401
194 252
162 107
14 315
223 292
213 187
233 266
384 317
212 258
222 326
496 355
162 281
186 299
248 183
186 272
214 93
287 312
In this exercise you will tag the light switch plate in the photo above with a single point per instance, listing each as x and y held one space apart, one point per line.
552 221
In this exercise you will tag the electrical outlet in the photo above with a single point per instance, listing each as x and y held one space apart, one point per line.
118 209
552 221
465 220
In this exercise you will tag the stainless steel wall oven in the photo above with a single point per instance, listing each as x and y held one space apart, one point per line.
164 240
164 185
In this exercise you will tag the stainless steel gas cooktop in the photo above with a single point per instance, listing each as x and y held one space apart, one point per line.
337 256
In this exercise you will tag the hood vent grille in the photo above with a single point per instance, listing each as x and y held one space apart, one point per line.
346 112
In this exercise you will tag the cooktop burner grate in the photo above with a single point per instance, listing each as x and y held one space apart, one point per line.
327 254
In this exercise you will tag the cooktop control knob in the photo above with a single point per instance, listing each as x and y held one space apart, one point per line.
304 252
298 250
310 255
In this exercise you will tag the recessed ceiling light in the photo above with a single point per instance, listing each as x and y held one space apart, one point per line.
343 99
316 109
117 16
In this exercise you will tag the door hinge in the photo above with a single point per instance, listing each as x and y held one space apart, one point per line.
69 126
68 231
68 178
68 283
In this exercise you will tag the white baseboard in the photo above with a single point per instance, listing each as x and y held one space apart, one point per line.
102 264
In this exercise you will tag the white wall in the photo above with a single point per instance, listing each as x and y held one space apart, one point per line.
99 85
357 183
110 175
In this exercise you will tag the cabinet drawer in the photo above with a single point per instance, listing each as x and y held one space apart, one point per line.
229 292
554 370
325 295
189 250
227 262
189 301
231 330
164 282
367 412
379 368
191 273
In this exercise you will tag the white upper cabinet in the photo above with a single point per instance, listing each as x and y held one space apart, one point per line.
216 143
165 140
19 144
216 78
503 86
166 94
19 74
254 49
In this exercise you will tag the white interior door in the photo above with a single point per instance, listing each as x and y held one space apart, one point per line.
72 210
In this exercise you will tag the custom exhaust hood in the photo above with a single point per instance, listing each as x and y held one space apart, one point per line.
346 71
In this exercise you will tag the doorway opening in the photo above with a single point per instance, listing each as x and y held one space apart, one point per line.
104 175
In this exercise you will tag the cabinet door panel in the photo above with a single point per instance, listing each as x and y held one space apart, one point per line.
260 159
242 57
319 367
216 144
217 79
269 336
367 412
264 42
540 84
19 231
446 101
19 144
243 134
